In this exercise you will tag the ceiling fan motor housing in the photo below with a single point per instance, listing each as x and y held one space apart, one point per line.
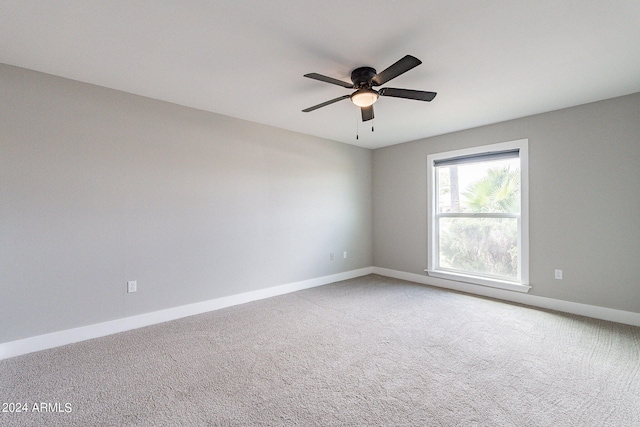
361 77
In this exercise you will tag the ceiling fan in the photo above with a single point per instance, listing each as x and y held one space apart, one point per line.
365 78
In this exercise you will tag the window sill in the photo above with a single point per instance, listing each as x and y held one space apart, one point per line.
475 280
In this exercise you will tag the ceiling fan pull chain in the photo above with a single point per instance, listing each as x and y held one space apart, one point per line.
357 127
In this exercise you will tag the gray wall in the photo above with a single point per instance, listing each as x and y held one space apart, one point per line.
584 171
98 187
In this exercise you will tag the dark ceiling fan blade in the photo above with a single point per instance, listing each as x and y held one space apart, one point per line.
400 67
418 95
367 113
326 79
324 104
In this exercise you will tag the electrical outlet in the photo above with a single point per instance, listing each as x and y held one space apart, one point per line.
132 286
558 274
331 256
344 254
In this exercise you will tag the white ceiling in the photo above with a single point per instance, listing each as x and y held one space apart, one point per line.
489 60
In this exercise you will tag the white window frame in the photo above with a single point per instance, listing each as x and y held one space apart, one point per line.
521 283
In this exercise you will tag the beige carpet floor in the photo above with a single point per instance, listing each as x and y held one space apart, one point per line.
371 351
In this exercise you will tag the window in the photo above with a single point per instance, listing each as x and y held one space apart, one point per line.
478 227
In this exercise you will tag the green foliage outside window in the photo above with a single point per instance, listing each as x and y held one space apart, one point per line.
482 245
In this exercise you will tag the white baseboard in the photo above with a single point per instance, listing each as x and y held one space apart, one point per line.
69 336
603 313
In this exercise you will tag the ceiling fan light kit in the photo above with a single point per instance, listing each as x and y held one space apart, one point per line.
364 97
364 78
